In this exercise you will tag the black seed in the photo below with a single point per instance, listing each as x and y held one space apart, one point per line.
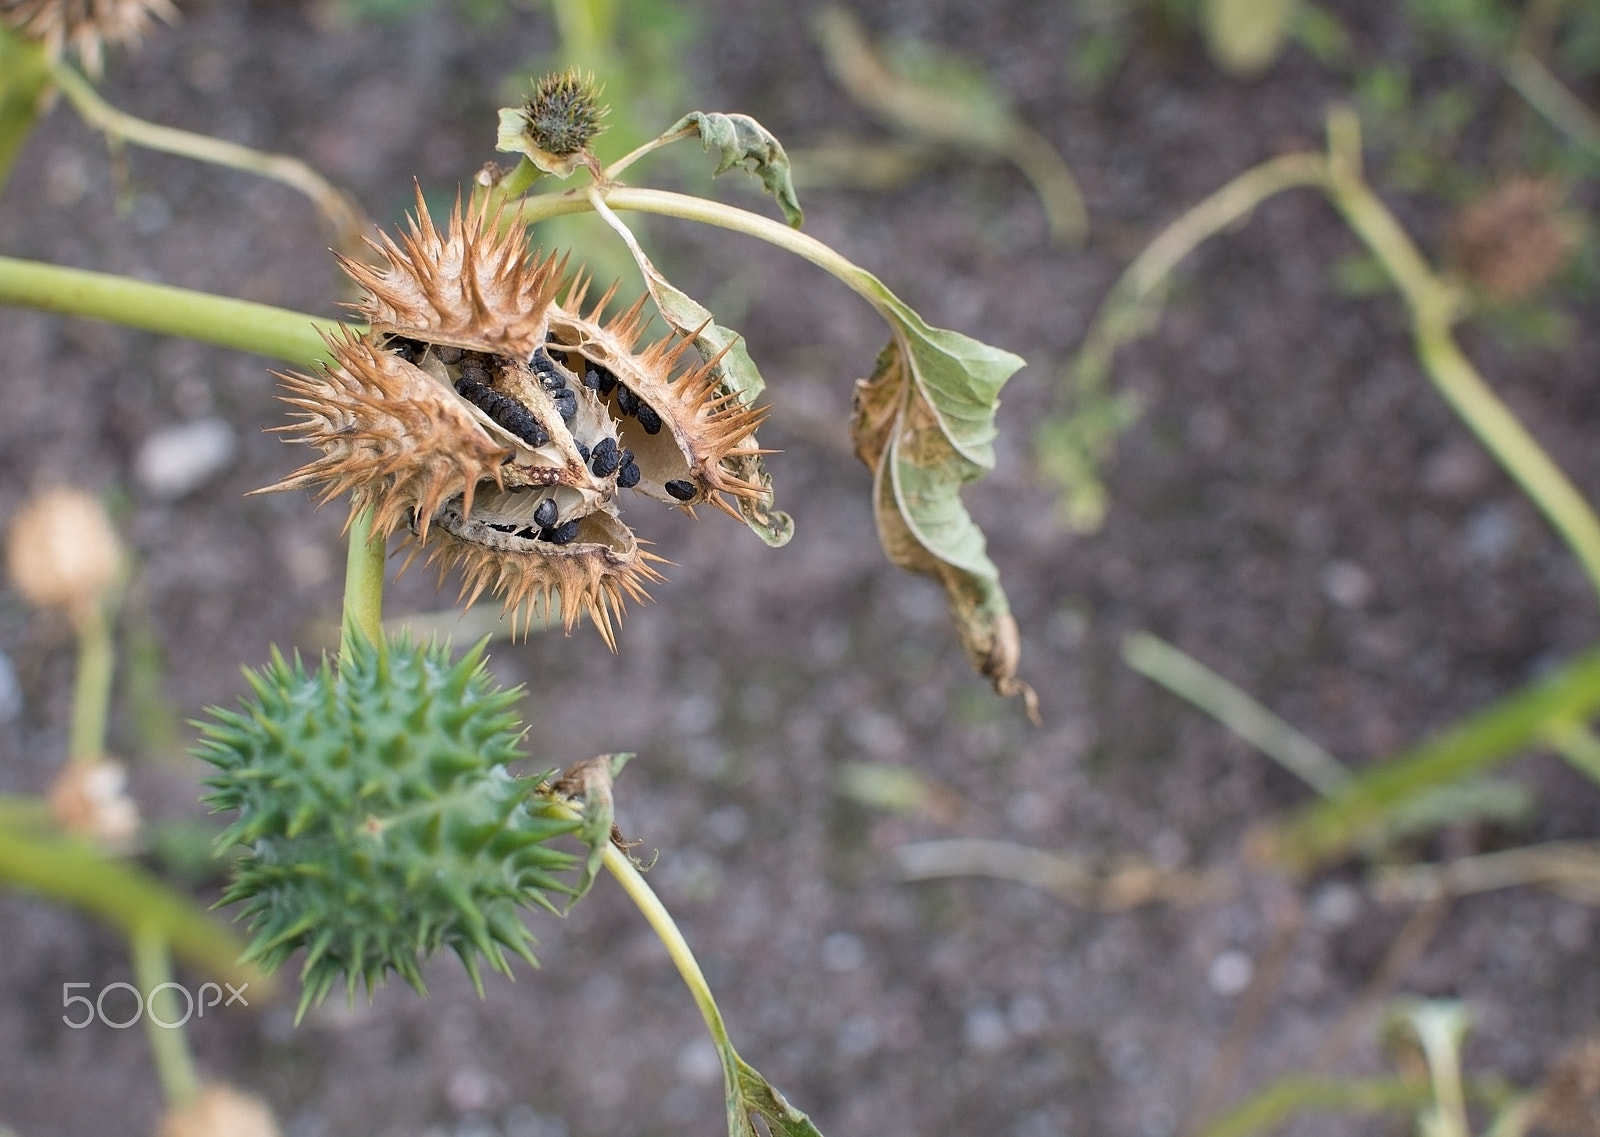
648 418
562 534
447 354
607 381
591 379
509 413
628 476
583 452
544 367
627 401
545 515
566 403
680 489
605 459
409 350
627 456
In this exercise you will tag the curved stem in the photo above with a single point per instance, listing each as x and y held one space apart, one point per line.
276 332
363 585
666 929
638 152
1434 306
73 872
152 967
334 205
687 208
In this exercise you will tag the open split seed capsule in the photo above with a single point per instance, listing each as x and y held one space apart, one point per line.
498 423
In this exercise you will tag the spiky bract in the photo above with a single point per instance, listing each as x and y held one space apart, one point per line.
86 26
381 822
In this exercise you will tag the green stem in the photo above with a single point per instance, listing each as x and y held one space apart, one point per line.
276 332
1434 307
662 923
91 696
24 80
363 585
638 152
687 208
1551 98
73 872
152 967
335 206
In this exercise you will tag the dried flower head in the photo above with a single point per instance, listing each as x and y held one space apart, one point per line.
88 799
1515 239
498 423
220 1111
556 124
85 26
62 552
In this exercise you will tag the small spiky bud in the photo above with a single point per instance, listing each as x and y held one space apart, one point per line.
86 26
381 822
556 124
62 552
219 1111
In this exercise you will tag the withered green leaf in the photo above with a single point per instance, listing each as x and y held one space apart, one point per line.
757 1095
736 373
924 425
590 782
745 142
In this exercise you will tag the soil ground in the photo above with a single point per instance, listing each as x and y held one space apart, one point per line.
1289 440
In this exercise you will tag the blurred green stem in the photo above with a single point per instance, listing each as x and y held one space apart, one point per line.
152 967
239 324
1547 95
91 696
363 585
1434 308
24 81
335 206
74 872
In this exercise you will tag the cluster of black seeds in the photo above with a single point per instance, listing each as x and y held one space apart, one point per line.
503 409
562 534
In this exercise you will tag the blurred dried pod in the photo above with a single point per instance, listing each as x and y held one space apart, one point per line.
62 552
1569 1099
88 799
85 26
220 1111
1515 239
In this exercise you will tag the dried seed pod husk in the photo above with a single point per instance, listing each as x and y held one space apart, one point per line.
1515 239
87 798
219 1110
86 26
705 430
62 552
462 414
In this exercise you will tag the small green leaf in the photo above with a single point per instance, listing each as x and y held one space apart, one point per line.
745 142
757 1095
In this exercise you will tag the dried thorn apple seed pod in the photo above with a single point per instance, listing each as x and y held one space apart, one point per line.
497 424
86 26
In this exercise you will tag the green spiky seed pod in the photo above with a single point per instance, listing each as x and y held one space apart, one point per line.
381 822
